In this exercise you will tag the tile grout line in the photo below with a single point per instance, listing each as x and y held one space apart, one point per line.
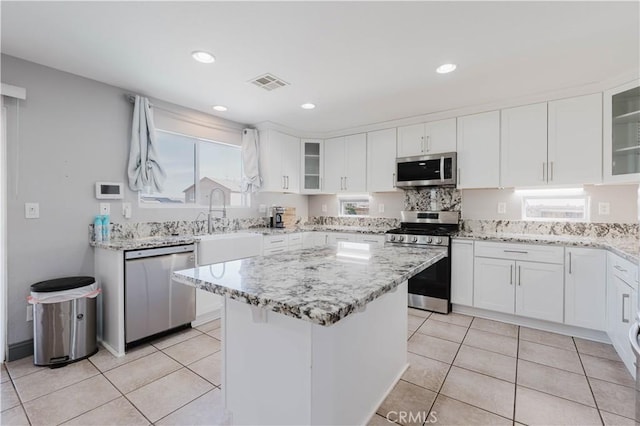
515 385
593 395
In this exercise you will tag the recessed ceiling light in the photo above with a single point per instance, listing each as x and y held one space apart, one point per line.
308 106
445 68
204 57
220 108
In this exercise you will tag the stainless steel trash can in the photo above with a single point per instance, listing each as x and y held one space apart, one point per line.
64 320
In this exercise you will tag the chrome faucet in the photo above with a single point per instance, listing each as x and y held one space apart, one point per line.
211 209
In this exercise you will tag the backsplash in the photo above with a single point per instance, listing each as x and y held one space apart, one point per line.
433 199
578 229
360 222
132 230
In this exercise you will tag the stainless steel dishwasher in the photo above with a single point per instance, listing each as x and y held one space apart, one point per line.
155 303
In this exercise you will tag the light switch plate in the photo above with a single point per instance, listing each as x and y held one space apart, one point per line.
31 210
502 208
324 208
105 208
262 208
380 208
126 210
604 209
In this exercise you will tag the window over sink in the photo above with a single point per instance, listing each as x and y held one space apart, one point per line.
354 206
555 206
194 167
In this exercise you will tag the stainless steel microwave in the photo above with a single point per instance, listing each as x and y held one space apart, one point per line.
426 170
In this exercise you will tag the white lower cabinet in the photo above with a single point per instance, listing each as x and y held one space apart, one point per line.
517 282
585 284
374 240
462 272
274 244
314 239
335 237
622 303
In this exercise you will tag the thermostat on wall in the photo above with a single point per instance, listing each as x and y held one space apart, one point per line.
109 190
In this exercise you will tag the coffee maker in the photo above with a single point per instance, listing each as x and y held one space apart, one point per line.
277 217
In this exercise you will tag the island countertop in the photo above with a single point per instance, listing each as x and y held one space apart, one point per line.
321 285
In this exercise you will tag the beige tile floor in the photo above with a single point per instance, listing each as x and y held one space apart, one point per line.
463 370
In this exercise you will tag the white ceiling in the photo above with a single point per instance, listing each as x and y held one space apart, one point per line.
360 62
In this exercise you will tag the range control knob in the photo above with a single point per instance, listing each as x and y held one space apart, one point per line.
401 238
392 238
414 239
438 240
429 239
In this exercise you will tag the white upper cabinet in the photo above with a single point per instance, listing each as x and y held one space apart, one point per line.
479 150
381 160
312 165
523 149
575 140
279 162
427 138
621 134
345 164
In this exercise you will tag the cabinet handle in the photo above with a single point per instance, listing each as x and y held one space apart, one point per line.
345 183
544 178
283 182
510 274
320 186
421 143
620 268
428 143
393 180
516 251
569 262
625 320
551 171
459 181
519 275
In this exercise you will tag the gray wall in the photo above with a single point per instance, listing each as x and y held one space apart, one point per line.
70 133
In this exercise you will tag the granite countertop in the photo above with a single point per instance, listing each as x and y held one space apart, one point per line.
319 285
627 248
143 243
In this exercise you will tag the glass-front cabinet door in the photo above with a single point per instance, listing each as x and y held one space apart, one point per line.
622 134
312 166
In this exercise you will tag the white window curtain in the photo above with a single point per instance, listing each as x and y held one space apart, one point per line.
251 180
144 170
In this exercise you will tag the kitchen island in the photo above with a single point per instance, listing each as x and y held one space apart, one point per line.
314 336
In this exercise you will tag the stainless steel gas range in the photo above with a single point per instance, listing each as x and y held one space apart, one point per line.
430 289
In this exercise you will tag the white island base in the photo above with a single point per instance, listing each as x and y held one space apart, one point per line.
281 370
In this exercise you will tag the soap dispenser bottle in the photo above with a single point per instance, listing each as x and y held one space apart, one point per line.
97 229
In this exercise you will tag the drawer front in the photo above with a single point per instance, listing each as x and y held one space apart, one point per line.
275 241
274 250
375 240
295 239
528 252
622 268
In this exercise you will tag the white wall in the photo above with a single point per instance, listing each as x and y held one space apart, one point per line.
70 133
482 204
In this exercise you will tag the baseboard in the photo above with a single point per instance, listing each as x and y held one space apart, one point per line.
569 330
20 350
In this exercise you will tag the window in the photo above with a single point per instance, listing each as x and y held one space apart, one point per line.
354 207
558 208
194 168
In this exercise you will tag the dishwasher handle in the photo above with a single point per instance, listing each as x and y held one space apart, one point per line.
160 251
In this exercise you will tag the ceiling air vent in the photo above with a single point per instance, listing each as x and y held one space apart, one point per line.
269 82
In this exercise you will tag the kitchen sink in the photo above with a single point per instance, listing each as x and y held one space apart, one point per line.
216 248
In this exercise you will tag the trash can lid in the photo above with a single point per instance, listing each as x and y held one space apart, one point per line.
61 284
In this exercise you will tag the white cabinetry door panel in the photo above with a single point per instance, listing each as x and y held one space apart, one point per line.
411 140
381 161
524 145
334 164
478 147
493 284
440 136
540 291
279 162
575 140
355 163
312 166
462 272
291 163
585 288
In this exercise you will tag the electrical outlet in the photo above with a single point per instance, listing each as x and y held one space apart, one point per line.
126 210
380 208
31 210
604 209
324 208
262 208
502 208
105 208
29 312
